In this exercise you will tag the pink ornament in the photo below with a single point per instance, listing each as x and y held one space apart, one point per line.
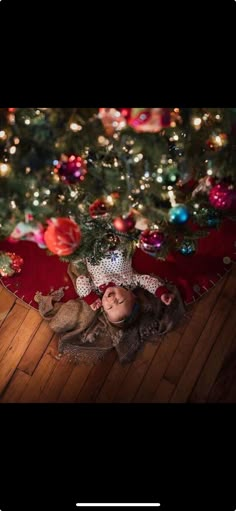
222 196
151 241
149 120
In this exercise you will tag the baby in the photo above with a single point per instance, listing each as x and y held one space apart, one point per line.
110 284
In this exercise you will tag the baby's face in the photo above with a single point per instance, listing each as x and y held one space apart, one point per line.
118 303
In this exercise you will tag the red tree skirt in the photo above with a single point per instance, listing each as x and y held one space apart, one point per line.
193 274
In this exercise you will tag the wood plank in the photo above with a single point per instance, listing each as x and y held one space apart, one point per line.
164 392
225 385
205 342
42 373
215 360
36 349
15 387
113 381
24 304
56 381
96 378
157 368
136 373
10 327
74 384
17 347
200 316
7 301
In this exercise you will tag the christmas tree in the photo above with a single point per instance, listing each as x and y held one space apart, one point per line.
79 181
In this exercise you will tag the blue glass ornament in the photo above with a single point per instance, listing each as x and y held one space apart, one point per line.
179 214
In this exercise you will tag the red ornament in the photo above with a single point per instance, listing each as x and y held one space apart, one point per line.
222 196
151 241
122 224
71 169
62 236
98 208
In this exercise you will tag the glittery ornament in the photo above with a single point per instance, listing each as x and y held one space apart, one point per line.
10 263
222 196
151 241
179 214
188 247
98 208
62 236
71 170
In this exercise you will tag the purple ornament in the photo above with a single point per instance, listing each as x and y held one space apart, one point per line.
71 170
151 241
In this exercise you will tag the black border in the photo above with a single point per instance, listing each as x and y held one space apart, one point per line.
180 455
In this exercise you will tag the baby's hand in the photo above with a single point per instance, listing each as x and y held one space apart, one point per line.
96 305
167 298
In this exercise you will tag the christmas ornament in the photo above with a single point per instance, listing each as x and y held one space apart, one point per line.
205 184
112 120
10 263
171 175
151 241
188 247
222 196
71 169
124 224
30 232
179 214
98 208
62 236
150 120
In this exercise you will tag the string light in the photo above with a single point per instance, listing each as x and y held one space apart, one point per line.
4 169
12 149
197 122
75 127
3 135
27 122
172 198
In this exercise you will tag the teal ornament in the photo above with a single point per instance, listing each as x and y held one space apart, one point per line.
187 247
179 214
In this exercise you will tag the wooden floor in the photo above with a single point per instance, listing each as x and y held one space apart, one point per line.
196 363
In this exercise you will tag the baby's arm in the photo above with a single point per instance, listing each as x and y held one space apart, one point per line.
86 291
154 286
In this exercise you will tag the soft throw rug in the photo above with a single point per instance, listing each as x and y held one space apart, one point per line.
193 274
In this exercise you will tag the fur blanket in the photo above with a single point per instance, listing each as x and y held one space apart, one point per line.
86 336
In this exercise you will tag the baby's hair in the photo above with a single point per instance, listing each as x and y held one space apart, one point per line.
129 320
